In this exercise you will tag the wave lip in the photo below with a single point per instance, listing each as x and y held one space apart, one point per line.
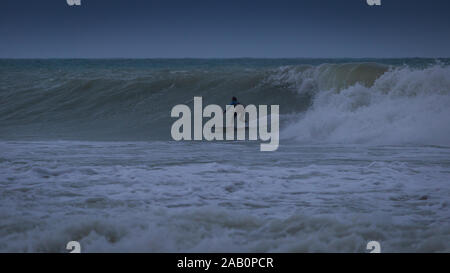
312 79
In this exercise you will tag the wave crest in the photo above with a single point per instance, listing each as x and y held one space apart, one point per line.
404 105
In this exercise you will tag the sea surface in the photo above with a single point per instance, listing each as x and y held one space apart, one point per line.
86 154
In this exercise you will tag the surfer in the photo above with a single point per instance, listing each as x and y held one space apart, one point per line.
234 101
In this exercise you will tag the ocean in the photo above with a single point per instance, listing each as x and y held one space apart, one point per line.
86 155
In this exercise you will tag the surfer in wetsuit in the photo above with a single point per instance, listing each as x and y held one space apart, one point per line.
234 102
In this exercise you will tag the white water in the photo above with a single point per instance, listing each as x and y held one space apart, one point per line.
403 106
202 197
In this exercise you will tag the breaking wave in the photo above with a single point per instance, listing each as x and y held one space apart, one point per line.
364 102
401 106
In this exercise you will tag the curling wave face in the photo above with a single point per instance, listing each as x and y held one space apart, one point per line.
387 101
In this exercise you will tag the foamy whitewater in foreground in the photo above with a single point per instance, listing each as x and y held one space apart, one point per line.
86 155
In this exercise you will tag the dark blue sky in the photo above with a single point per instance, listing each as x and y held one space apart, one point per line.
227 28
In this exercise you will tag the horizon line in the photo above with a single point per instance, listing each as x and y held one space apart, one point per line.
205 58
